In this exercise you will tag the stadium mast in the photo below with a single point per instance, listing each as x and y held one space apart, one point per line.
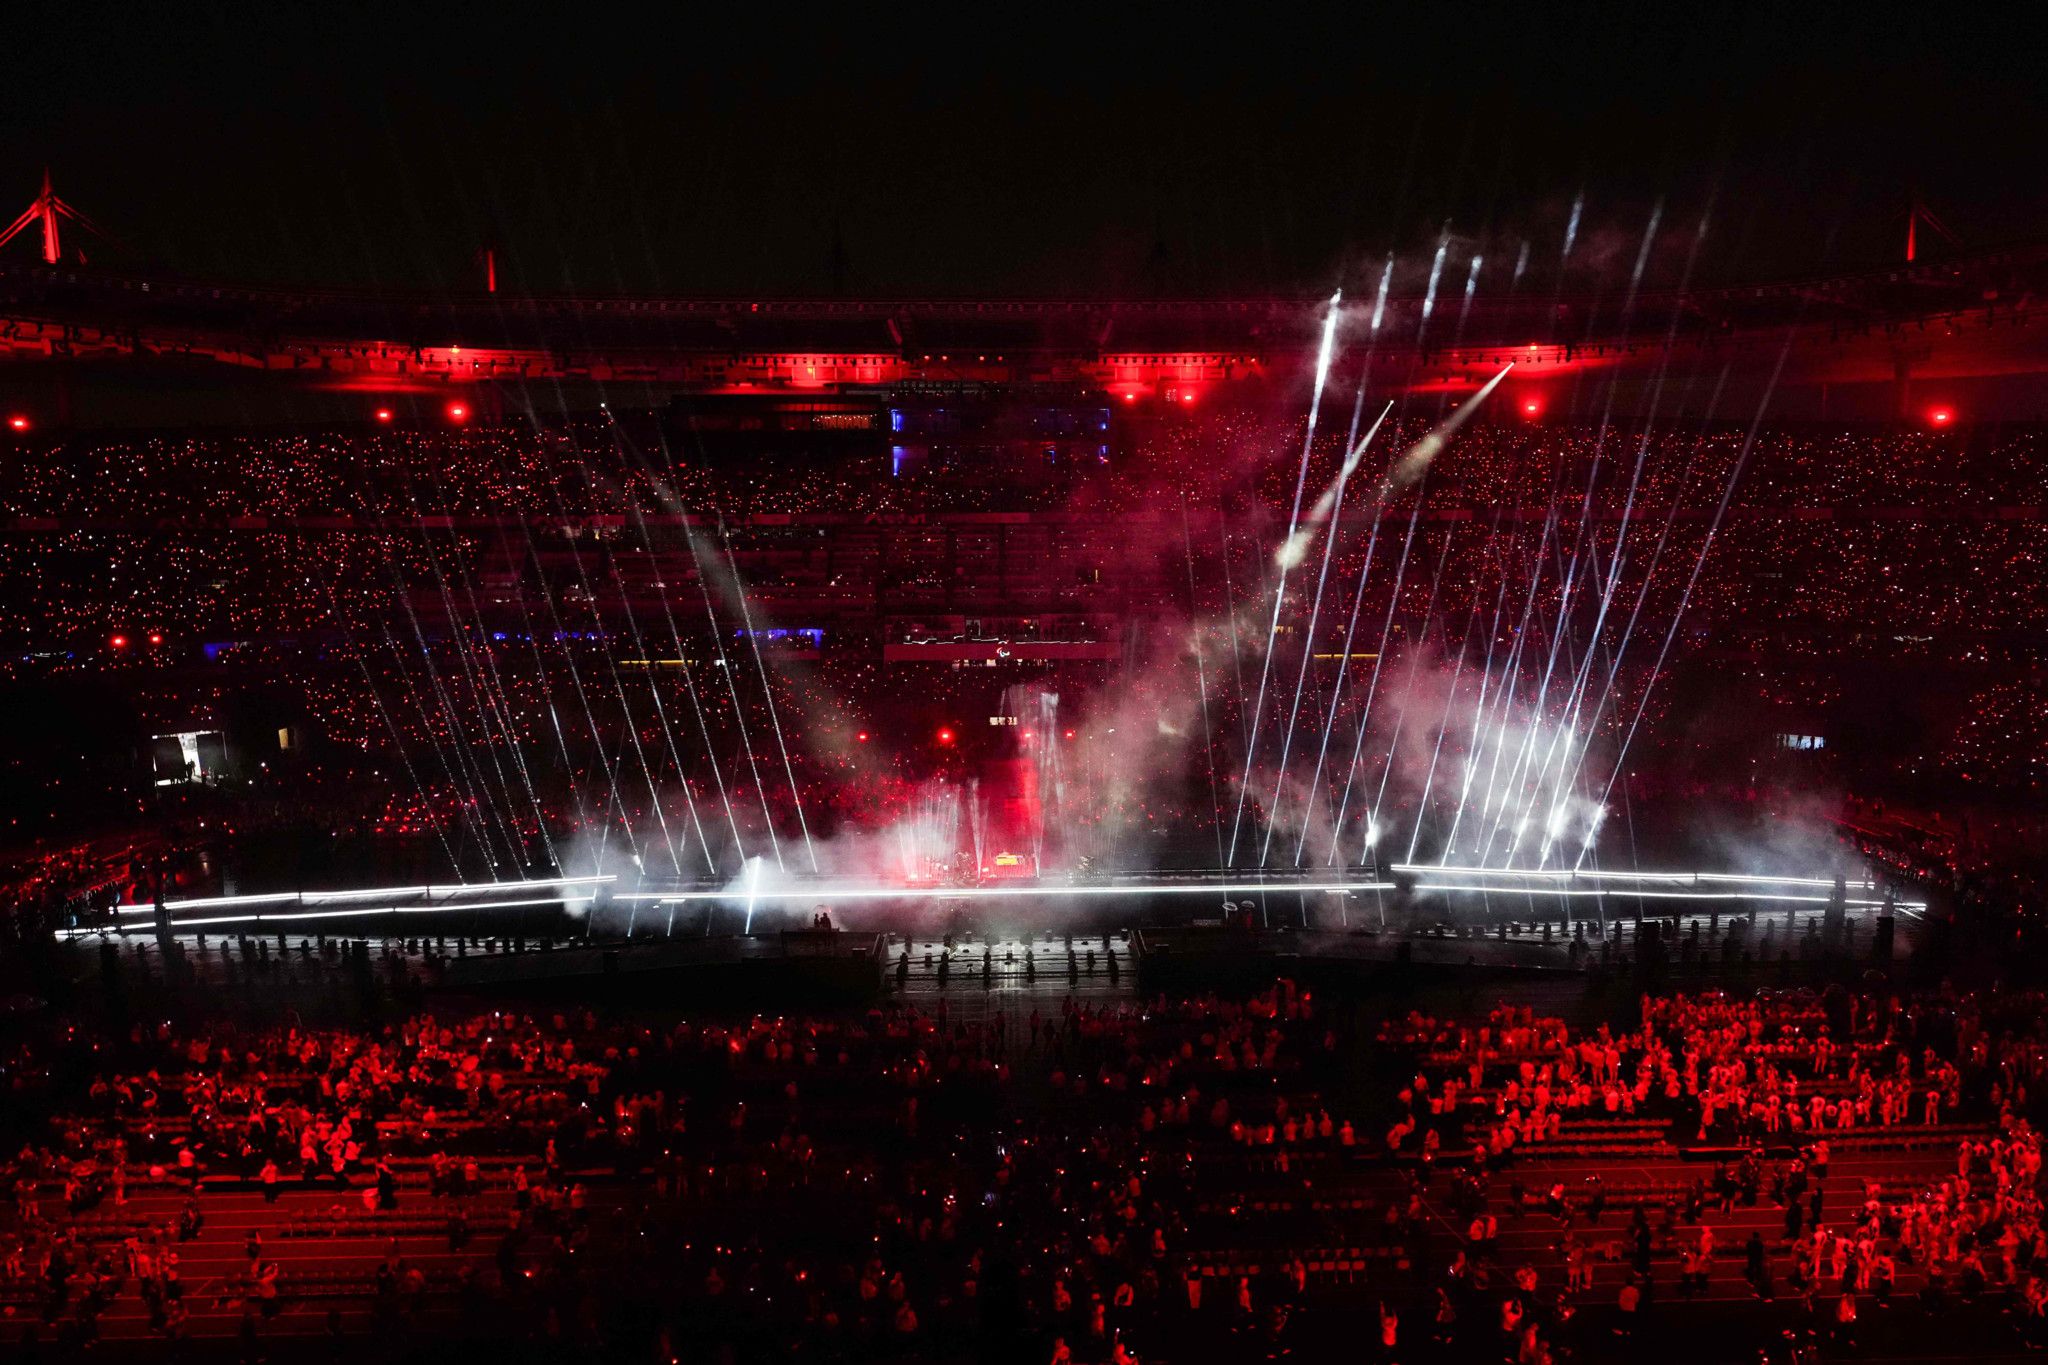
46 211
1917 213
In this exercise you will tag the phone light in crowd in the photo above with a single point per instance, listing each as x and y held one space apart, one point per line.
18 422
458 412
1941 417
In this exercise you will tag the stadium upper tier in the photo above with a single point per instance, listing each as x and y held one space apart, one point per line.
1959 317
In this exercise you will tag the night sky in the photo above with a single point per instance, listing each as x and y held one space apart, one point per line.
1009 149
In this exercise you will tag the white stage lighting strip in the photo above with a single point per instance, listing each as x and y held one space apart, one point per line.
390 893
290 916
894 893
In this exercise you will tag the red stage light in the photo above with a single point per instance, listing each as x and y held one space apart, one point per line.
156 637
1130 397
1941 417
945 736
862 737
18 422
383 414
1532 407
119 642
457 413
1070 734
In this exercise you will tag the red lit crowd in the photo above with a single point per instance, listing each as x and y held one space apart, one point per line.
1101 1183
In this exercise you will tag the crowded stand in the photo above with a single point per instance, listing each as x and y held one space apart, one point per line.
1163 1178
441 617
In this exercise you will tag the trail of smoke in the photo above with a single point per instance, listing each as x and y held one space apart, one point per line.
1202 680
1355 451
1436 271
1471 287
1280 586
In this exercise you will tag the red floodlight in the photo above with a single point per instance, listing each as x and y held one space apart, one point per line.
861 738
383 414
18 422
1941 417
156 637
119 642
457 413
945 734
1532 407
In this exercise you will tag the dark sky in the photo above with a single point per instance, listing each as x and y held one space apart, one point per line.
1018 148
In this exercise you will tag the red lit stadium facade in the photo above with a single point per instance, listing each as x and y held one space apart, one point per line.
1965 334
